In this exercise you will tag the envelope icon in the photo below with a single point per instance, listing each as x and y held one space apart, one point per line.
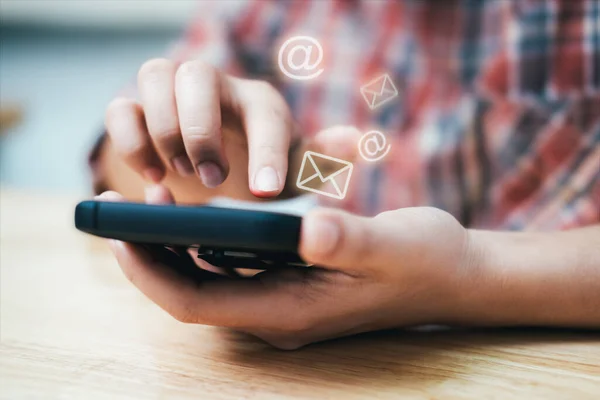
324 175
379 91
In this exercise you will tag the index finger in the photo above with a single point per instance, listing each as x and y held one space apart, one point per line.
268 124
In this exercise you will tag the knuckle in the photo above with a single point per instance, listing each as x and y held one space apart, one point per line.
267 102
420 217
265 91
362 245
196 69
278 109
165 134
267 152
274 104
263 87
254 92
117 106
385 215
155 69
131 150
199 134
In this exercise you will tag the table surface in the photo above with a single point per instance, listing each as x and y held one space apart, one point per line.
71 326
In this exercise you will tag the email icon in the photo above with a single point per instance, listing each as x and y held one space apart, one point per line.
324 175
379 91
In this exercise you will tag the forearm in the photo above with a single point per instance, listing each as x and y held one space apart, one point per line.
532 278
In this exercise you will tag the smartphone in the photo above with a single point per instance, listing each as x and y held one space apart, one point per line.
223 237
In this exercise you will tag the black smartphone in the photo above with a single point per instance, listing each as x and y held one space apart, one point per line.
224 237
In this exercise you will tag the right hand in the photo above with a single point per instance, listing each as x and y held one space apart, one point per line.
177 127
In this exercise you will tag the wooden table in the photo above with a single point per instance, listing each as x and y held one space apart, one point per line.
72 327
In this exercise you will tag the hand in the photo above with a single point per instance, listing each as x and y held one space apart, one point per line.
399 268
178 125
194 121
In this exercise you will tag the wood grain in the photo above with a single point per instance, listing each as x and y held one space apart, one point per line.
72 327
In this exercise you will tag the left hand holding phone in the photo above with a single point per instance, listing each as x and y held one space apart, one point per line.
374 273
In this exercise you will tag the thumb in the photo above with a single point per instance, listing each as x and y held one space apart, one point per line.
337 239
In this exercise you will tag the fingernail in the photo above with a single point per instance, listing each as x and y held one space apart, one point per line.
210 174
266 180
321 235
182 165
153 175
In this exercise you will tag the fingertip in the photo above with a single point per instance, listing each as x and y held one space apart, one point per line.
116 106
154 174
266 182
109 196
211 174
158 194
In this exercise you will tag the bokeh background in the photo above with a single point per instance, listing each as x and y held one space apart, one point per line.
61 62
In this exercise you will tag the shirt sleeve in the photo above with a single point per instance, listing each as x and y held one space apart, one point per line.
538 164
521 150
540 120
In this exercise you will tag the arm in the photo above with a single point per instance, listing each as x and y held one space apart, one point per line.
406 267
533 278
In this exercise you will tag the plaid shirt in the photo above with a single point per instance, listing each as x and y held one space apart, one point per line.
498 117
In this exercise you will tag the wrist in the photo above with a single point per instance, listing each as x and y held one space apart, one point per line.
529 278
490 290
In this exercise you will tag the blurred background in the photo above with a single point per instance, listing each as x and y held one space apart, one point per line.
61 62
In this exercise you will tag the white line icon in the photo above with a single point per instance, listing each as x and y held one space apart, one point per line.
379 91
311 178
373 146
300 46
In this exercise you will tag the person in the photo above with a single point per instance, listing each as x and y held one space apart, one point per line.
485 212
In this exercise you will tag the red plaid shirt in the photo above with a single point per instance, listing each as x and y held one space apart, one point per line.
498 118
